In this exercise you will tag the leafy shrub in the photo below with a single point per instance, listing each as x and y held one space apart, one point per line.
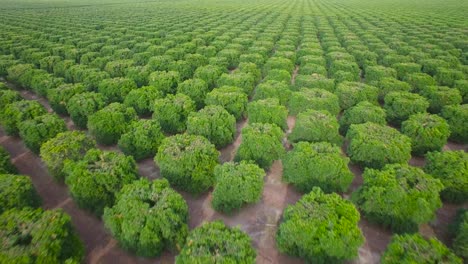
236 184
231 98
172 112
183 68
6 167
361 113
214 242
82 105
7 97
196 89
460 242
405 69
430 66
209 74
17 72
278 75
95 180
419 81
142 140
278 63
37 236
373 145
317 99
427 132
268 111
166 82
447 76
440 96
109 123
116 89
118 68
214 123
187 161
401 105
245 81
460 85
159 63
457 118
351 93
38 130
66 146
138 74
17 112
147 217
451 168
415 248
59 97
273 89
317 164
398 196
320 227
261 143
252 69
316 126
310 68
17 192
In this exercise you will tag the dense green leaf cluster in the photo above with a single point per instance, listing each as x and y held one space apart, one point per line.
457 118
316 126
351 93
440 96
6 166
268 111
196 89
17 191
460 230
166 82
273 89
172 112
17 112
231 98
361 113
142 99
59 97
116 89
82 105
142 139
317 99
36 131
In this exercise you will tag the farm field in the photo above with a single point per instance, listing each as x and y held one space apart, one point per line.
217 131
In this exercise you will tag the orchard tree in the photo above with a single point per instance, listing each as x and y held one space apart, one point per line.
37 131
142 99
317 164
66 146
273 89
320 227
142 139
457 118
196 89
95 180
419 81
316 126
209 74
17 112
401 105
17 191
230 98
172 112
116 89
164 81
214 242
8 97
148 217
6 167
317 99
460 230
440 96
268 111
187 161
388 85
245 81
351 93
82 105
361 113
399 196
59 97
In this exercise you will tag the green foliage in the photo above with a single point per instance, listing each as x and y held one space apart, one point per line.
245 81
440 96
118 68
164 81
230 98
37 236
278 63
214 123
447 76
278 75
17 112
142 140
196 89
427 132
399 196
17 72
109 123
320 227
401 105
273 89
66 146
116 89
451 167
187 161
361 113
148 216
406 68
208 73
388 85
82 105
316 126
317 164
373 145
236 184
457 118
460 242
419 81
316 99
417 249
17 191
6 167
268 111
7 97
40 129
261 143
95 180
351 93
214 242
172 112
460 85
59 97
142 99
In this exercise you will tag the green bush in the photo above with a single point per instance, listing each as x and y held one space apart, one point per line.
95 180
6 166
261 143
116 89
196 89
440 96
37 236
245 81
142 139
427 132
460 241
399 196
59 97
142 99
273 89
138 74
118 68
268 111
361 113
252 69
447 76
236 184
183 68
214 242
419 81
457 118
17 191
172 112
415 248
166 82
209 74
388 85
82 105
187 161
316 126
373 145
317 164
109 123
460 85
40 129
316 99
451 168
406 68
231 98
278 75
278 63
7 97
430 66
148 217
401 105
66 146
214 123
351 93
320 227
17 112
